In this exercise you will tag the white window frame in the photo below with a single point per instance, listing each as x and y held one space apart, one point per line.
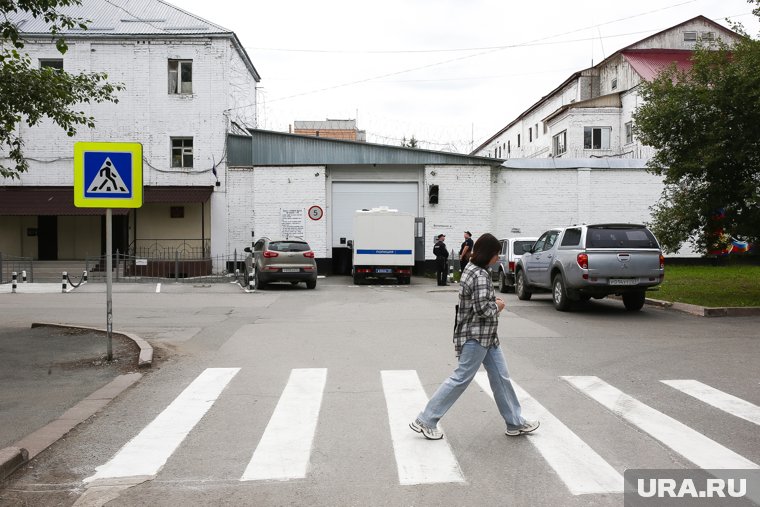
708 36
629 132
605 133
51 63
179 84
183 150
690 36
559 143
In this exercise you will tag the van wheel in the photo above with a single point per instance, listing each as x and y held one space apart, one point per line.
559 294
357 279
634 301
503 287
521 287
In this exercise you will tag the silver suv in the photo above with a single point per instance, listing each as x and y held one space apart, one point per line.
282 260
584 261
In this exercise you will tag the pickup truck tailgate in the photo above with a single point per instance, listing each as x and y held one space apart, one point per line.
614 263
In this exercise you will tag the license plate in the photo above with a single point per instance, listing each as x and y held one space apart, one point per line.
624 281
291 270
383 270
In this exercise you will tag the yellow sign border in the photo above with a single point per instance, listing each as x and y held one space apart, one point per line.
80 201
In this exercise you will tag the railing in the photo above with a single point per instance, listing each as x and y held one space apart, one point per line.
177 268
170 248
10 263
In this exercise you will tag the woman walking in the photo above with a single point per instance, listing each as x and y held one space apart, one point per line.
476 343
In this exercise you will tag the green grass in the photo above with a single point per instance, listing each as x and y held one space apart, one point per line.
711 286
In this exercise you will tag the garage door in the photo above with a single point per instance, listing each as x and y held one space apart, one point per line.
347 197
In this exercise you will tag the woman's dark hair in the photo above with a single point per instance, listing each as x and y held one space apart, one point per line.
484 249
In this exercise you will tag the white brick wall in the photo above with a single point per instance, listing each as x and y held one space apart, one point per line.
255 198
465 203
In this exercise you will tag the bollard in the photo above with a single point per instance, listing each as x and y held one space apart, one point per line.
84 276
64 276
250 281
23 276
13 286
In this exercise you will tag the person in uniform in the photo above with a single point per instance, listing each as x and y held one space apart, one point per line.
441 260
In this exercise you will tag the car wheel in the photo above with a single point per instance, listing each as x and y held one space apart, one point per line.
503 287
311 284
634 301
257 283
521 287
559 294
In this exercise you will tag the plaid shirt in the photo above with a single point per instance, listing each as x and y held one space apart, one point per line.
477 316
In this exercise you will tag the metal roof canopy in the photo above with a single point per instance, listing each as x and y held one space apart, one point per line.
268 148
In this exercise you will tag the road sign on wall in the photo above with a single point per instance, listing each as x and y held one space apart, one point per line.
108 175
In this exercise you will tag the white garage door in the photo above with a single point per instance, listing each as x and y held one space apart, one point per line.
347 197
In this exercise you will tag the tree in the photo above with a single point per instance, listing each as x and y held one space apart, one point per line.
30 94
410 143
705 125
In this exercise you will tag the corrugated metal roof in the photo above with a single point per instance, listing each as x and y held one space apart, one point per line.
650 62
131 18
279 148
610 100
124 17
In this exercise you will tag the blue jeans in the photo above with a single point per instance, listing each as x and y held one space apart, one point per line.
473 355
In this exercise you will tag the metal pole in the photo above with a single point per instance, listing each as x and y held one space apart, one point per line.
64 275
13 285
23 276
109 282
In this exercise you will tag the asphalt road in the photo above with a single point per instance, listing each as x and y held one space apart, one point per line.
242 375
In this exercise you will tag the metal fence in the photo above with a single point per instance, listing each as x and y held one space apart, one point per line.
172 268
10 263
170 248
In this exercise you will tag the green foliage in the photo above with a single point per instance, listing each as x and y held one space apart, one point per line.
410 143
30 94
705 125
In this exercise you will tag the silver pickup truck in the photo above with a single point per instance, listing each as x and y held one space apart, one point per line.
592 261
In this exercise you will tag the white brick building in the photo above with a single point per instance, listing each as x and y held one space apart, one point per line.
188 83
589 115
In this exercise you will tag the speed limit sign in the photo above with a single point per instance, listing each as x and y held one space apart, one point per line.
316 213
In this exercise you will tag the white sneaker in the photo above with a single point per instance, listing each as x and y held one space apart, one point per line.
427 432
527 427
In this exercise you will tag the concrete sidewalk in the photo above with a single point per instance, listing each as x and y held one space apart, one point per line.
54 378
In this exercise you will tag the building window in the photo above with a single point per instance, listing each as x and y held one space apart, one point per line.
51 63
708 36
509 147
182 152
536 130
518 140
690 36
614 83
530 134
177 212
629 132
559 143
596 138
180 76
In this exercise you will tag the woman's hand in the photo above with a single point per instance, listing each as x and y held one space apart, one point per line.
500 304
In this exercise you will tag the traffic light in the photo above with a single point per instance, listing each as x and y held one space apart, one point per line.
433 194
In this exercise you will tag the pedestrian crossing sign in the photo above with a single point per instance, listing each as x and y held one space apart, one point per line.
108 175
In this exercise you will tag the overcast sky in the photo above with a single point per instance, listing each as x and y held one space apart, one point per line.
449 72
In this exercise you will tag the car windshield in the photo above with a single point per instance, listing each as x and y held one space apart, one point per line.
610 237
521 247
288 246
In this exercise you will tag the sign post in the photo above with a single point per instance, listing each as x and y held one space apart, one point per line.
108 175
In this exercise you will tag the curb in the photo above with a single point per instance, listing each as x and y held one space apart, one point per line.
146 351
703 311
15 456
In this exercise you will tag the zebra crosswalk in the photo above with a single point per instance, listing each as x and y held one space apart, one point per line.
284 450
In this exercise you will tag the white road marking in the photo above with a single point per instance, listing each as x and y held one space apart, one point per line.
285 447
419 461
158 288
697 448
581 469
145 454
718 399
